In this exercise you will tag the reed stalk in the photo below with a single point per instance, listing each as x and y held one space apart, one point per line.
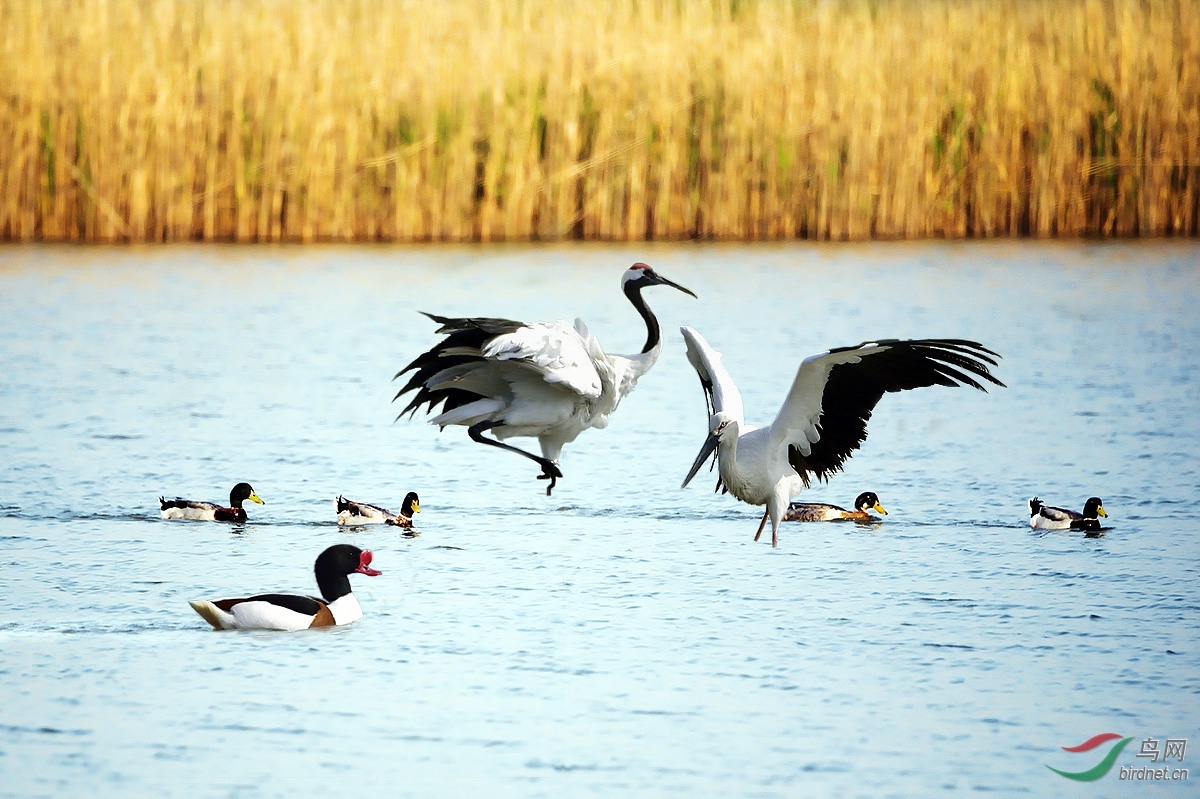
512 120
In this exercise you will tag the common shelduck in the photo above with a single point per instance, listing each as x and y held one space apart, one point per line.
292 611
180 508
1045 517
822 512
351 512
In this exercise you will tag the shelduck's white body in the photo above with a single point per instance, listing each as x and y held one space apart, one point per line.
264 615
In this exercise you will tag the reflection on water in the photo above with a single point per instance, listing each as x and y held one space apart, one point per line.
621 635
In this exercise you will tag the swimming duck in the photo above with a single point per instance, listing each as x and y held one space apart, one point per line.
179 508
1044 517
351 512
821 512
292 611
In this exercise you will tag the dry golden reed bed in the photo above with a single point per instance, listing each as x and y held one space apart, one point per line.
363 120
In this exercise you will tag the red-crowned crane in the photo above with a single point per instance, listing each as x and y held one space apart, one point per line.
545 381
824 416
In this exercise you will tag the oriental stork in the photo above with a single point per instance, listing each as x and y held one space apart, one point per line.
824 416
545 381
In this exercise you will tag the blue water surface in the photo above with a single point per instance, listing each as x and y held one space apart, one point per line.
621 637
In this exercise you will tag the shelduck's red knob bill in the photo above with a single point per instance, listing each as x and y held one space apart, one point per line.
364 564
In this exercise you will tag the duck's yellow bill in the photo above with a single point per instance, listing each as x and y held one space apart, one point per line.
879 509
254 498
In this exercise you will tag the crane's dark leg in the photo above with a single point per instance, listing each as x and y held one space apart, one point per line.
762 524
550 470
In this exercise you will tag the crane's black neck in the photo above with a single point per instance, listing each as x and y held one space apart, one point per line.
653 334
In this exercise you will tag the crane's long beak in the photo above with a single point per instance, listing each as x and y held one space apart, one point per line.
710 444
675 285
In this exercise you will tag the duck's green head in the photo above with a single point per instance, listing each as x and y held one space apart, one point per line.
868 501
242 492
411 504
1094 507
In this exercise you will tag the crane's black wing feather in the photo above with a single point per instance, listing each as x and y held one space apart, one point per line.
464 341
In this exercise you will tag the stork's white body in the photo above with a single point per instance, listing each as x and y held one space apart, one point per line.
755 469
753 462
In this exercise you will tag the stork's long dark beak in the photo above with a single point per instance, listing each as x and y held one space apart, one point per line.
663 281
710 444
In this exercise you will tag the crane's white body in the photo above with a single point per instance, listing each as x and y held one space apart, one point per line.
549 381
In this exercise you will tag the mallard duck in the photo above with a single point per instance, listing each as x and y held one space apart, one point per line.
1045 517
351 512
179 508
292 611
822 512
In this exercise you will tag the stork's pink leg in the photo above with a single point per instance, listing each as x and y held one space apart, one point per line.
761 525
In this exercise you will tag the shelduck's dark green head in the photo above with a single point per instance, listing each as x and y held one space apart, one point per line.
242 492
411 504
1093 507
868 501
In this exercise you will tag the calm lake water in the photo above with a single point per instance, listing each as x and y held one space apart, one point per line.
622 637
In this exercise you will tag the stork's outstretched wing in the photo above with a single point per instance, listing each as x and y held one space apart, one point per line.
824 418
719 390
